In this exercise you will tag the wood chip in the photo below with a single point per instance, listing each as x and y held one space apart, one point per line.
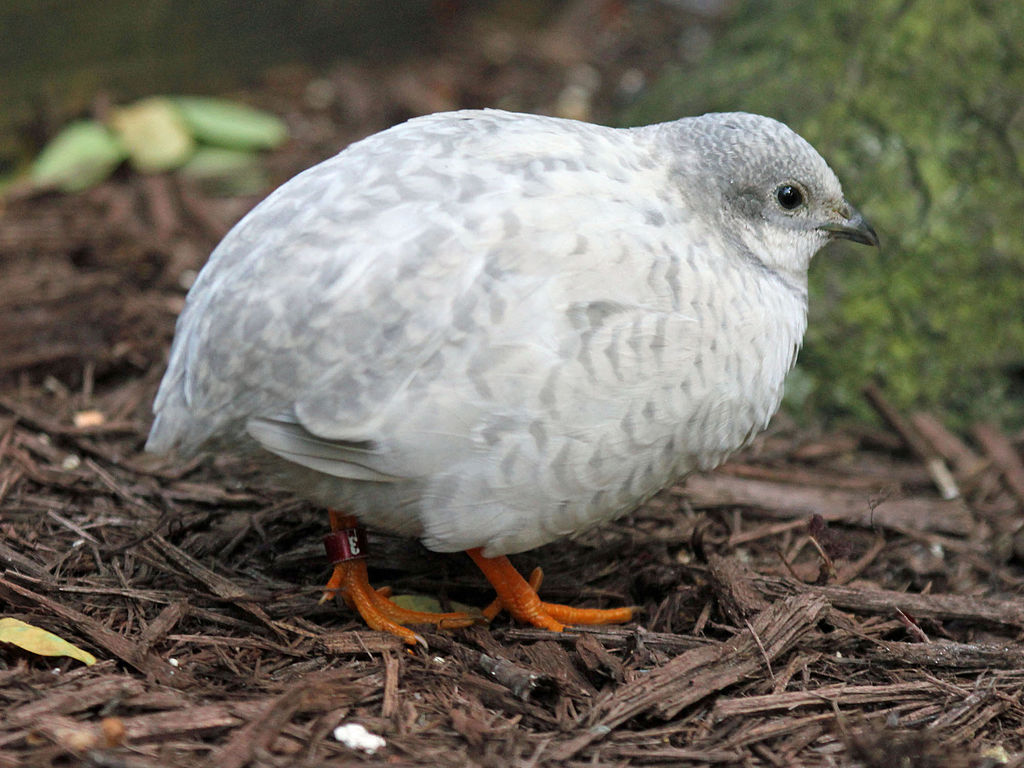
783 501
1003 455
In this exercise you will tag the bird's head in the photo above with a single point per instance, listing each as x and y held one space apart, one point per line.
764 186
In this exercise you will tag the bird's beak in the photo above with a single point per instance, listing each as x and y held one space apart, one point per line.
851 225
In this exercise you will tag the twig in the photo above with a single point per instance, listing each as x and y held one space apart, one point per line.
1003 455
784 501
760 647
917 443
840 693
520 681
882 601
966 463
912 627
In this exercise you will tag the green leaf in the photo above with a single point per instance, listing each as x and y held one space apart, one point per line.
79 157
226 172
40 642
227 124
155 134
428 604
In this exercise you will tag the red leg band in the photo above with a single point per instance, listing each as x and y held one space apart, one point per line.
345 544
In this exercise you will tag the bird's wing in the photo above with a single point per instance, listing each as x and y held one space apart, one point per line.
340 458
352 265
332 295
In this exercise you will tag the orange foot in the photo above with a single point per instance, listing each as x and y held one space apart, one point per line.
352 582
520 598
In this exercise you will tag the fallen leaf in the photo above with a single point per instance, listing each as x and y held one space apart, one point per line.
154 133
226 172
40 642
227 124
80 156
428 604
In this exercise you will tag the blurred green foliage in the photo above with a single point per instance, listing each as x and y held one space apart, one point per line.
213 141
79 157
919 106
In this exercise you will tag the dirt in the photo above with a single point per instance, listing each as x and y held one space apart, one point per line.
814 602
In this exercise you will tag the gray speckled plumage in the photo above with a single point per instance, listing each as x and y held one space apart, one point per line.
493 329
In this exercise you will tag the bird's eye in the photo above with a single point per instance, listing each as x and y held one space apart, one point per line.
789 196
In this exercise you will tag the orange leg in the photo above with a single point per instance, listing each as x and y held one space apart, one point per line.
520 598
491 611
352 582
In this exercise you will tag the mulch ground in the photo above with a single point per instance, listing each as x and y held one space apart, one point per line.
826 598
